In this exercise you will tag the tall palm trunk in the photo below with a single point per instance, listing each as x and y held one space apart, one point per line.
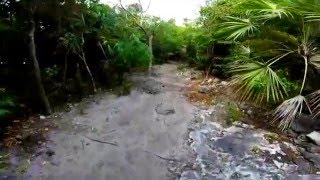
38 86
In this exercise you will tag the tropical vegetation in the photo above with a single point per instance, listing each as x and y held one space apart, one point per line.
273 54
53 51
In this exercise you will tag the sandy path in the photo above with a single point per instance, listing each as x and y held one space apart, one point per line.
150 122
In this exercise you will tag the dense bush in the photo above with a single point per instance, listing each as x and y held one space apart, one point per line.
62 49
131 54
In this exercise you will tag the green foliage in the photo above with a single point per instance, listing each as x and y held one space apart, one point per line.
167 39
6 104
278 35
52 72
234 112
131 53
258 82
235 28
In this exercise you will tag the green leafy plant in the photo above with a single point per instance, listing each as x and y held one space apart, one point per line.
256 79
234 112
6 104
131 54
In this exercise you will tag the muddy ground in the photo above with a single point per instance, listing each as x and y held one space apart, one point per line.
156 133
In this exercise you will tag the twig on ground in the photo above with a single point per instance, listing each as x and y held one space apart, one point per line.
163 158
104 142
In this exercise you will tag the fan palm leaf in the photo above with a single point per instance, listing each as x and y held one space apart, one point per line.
309 9
289 110
235 27
314 100
315 61
257 82
264 9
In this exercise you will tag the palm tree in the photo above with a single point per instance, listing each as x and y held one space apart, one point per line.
257 77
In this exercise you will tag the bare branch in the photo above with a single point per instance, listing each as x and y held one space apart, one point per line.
140 27
143 11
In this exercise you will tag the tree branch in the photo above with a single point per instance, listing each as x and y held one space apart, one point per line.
147 6
140 27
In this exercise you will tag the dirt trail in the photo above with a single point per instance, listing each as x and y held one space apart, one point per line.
143 130
155 133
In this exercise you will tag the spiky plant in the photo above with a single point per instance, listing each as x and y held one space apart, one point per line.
256 79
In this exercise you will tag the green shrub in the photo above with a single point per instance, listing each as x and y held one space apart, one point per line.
6 104
235 113
131 54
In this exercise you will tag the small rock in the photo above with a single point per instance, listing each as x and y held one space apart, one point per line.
243 106
193 77
204 89
314 137
249 112
163 109
55 162
216 80
278 164
301 143
42 117
313 149
303 124
292 134
188 175
224 83
203 107
38 153
314 158
303 165
237 175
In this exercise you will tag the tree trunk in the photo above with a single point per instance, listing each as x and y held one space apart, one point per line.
150 38
83 58
102 50
38 86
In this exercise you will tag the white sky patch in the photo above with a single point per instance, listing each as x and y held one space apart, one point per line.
167 9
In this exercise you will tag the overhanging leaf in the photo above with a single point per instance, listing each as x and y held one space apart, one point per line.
314 100
315 60
257 82
235 27
289 110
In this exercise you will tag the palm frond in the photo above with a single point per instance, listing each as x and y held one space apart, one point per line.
257 82
283 38
315 61
4 112
309 9
288 111
314 100
235 27
267 9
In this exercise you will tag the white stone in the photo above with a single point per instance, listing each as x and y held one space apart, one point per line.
224 83
42 117
315 137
